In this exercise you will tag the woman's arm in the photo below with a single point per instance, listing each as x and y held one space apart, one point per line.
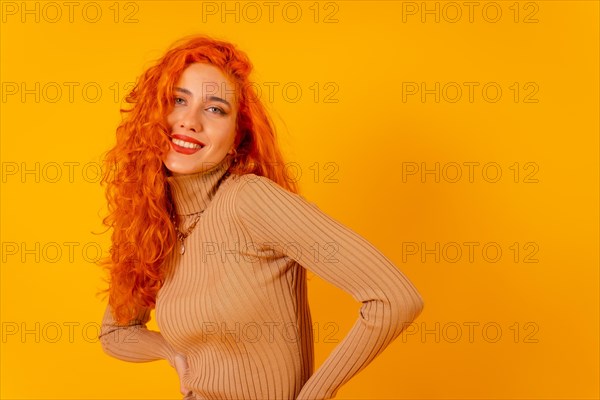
345 259
134 342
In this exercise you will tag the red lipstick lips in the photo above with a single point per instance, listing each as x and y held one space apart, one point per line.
186 150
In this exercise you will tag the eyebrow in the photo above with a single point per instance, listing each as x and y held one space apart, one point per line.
211 98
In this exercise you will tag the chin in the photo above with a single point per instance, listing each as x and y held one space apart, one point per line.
177 166
180 168
181 171
182 164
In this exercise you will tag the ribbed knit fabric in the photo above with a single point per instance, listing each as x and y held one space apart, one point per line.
235 303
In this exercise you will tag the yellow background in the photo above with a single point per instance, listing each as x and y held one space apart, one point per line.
547 310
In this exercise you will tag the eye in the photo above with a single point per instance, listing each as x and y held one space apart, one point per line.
216 110
179 100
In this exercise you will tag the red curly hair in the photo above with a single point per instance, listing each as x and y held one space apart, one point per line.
138 196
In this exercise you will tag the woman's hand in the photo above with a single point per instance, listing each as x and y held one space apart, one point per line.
181 367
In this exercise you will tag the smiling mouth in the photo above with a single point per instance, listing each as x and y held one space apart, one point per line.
184 144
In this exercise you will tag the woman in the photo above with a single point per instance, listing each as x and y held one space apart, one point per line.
209 232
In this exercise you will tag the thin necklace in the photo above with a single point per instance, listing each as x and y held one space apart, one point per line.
182 235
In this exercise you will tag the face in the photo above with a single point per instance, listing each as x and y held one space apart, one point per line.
203 120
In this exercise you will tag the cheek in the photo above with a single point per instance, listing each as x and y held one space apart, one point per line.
221 131
229 137
231 129
171 119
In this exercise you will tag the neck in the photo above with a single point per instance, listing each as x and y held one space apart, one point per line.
192 193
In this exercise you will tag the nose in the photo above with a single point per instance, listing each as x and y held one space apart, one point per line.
190 121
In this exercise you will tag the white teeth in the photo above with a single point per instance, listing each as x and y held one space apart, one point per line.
185 144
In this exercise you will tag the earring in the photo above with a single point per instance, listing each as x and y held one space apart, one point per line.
234 155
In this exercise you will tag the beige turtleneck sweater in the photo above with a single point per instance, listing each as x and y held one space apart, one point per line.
235 303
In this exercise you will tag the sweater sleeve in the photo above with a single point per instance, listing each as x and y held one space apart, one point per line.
134 342
340 256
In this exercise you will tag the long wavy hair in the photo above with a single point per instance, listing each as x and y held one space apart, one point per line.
138 196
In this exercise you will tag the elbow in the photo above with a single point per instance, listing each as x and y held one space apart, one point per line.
106 349
104 343
417 304
412 301
107 340
404 310
411 309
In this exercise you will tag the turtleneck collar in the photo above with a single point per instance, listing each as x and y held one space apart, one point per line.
193 192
